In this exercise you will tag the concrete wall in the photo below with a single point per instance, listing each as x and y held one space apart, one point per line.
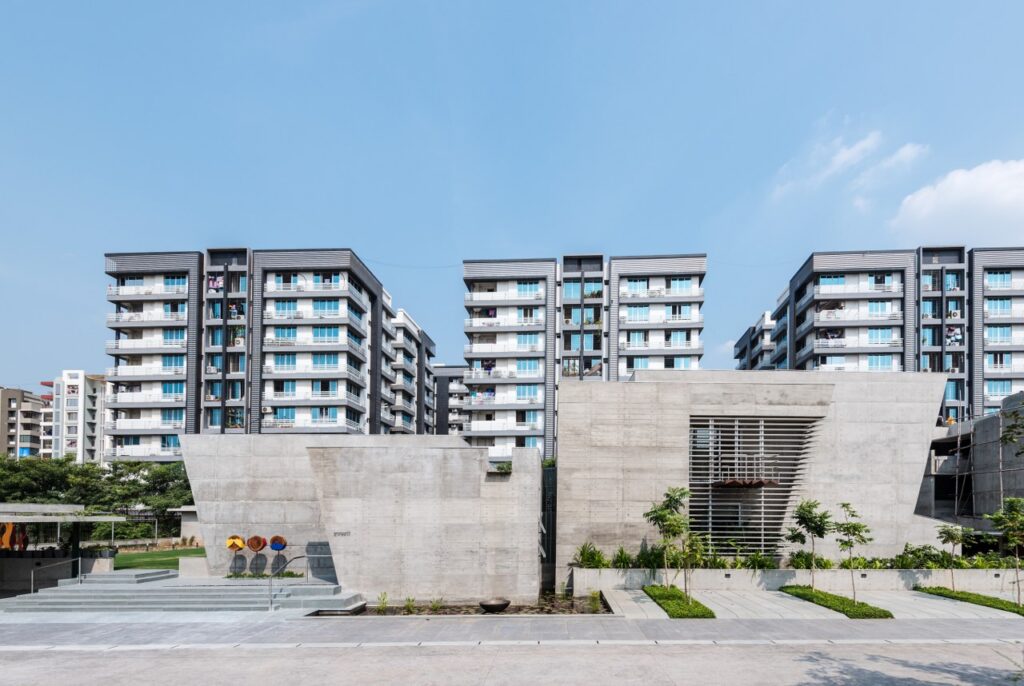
622 445
16 573
406 515
997 470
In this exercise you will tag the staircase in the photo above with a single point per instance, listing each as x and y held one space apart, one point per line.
162 591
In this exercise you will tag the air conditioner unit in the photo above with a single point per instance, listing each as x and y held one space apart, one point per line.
211 370
267 410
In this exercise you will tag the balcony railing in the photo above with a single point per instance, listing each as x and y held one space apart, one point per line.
658 345
309 422
498 425
1013 285
503 321
311 314
470 374
995 397
145 424
141 451
152 289
153 316
480 296
145 370
143 397
662 293
137 343
847 315
858 288
484 401
649 319
504 348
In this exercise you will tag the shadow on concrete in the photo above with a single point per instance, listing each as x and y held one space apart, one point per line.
892 671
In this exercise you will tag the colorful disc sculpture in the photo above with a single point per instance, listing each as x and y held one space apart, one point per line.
256 543
236 543
278 543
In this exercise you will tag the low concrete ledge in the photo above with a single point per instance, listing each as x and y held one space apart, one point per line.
193 567
833 580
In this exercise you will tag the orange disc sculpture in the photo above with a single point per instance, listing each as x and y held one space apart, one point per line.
256 543
235 543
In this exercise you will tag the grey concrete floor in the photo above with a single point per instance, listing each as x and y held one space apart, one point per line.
565 665
761 605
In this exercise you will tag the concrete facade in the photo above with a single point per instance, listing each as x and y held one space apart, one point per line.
861 438
412 516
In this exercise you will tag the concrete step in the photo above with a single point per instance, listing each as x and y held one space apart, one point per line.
146 608
122 576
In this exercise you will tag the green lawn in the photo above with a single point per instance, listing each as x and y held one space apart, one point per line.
847 606
156 559
976 598
676 605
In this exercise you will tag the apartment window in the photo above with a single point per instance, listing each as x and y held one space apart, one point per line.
680 284
637 313
325 414
353 415
999 279
284 389
997 307
321 333
834 360
286 279
325 306
173 388
589 340
998 360
527 367
878 308
527 289
831 279
173 280
953 390
528 441
528 313
879 336
998 334
593 288
953 281
354 313
282 307
678 312
175 308
173 360
214 363
879 362
132 281
677 363
997 388
929 335
166 442
216 336
929 309
991 410
170 335
172 415
236 390
928 281
571 289
325 360
284 360
214 391
637 285
637 339
574 342
285 414
357 340
216 311
574 315
288 332
235 418
677 339
527 392
880 279
214 416
527 339
327 277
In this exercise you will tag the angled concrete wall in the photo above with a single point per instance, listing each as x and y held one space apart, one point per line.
622 445
407 515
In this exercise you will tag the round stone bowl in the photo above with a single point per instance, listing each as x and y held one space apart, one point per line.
494 605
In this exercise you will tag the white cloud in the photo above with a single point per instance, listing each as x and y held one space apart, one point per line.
727 346
903 158
826 160
982 205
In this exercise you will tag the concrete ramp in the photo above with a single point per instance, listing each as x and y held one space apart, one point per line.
761 605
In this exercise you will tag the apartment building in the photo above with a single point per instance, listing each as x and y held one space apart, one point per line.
452 395
532 323
237 340
943 309
73 416
413 406
754 348
23 422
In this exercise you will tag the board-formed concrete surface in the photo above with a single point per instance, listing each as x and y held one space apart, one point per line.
537 664
913 605
762 605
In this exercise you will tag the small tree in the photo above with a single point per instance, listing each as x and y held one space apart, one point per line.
1009 520
692 547
954 535
666 518
1013 431
851 534
812 522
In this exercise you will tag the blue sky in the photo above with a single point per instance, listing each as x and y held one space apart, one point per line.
421 134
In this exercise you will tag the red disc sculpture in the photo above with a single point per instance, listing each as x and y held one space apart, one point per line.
235 543
256 543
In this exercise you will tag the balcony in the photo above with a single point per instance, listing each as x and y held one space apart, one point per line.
486 374
143 424
498 296
503 348
333 315
995 398
141 317
497 425
658 345
1003 286
852 315
495 322
140 451
144 370
457 388
333 370
151 289
849 288
145 344
694 318
311 423
490 400
144 397
694 292
404 406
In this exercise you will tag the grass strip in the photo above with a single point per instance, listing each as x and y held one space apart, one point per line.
155 559
847 606
677 604
976 598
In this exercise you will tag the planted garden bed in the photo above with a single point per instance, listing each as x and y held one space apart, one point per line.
677 604
548 604
975 598
847 606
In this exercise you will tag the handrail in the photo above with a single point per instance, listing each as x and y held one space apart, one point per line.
32 574
270 581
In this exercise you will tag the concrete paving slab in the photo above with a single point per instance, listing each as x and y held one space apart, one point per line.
633 604
914 605
761 605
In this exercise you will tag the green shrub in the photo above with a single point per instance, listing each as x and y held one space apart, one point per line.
382 603
410 606
436 604
589 557
759 561
648 557
841 604
975 598
549 462
801 559
622 559
715 562
677 604
594 602
503 467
